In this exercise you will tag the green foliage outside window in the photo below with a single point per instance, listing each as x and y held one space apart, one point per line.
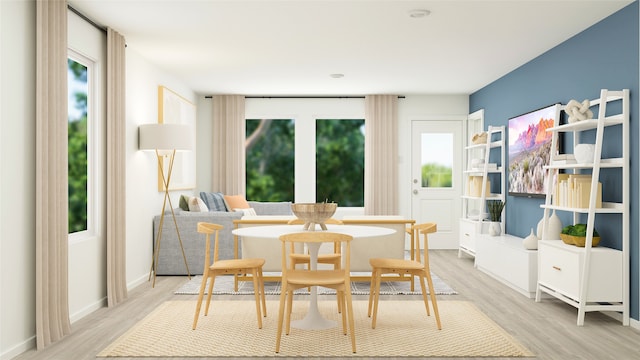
77 149
435 175
270 160
340 162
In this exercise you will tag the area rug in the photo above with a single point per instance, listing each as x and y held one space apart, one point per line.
224 286
230 330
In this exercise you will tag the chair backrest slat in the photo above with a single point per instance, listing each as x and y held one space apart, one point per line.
289 241
423 229
210 229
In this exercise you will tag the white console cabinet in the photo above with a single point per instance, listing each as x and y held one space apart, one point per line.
505 259
561 272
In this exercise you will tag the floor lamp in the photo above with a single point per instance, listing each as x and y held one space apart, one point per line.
165 140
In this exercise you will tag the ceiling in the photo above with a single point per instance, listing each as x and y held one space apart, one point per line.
280 47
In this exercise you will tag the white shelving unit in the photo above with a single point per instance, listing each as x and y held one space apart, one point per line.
481 172
591 278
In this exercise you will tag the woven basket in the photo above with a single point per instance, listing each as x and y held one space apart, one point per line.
480 138
579 240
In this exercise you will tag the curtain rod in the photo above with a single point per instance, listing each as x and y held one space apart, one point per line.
85 18
303 97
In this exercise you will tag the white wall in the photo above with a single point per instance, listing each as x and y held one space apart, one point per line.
143 199
305 111
421 107
17 173
17 177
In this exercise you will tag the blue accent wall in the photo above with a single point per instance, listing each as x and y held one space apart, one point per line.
604 56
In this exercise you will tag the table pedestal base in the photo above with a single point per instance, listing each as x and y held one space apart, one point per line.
313 320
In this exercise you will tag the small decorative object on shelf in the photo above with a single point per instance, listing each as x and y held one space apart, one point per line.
578 111
584 153
480 138
531 241
577 235
314 213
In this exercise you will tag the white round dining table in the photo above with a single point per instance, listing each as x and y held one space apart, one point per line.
313 319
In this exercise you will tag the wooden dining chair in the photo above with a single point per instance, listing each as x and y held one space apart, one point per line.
214 267
402 267
296 278
331 258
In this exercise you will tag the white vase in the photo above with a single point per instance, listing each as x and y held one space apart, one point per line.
584 153
495 228
554 227
531 241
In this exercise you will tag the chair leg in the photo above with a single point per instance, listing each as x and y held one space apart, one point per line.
289 310
372 289
283 299
424 294
199 304
376 299
340 296
263 295
433 300
349 309
336 266
256 293
209 294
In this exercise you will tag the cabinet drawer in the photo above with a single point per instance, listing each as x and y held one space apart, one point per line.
559 270
468 231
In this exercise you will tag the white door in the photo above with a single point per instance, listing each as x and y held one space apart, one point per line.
436 178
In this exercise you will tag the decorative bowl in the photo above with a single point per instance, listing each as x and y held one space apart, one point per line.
314 213
579 240
584 153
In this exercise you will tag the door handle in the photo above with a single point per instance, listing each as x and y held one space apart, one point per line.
415 192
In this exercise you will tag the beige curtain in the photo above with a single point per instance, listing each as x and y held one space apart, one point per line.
52 303
116 170
228 150
381 155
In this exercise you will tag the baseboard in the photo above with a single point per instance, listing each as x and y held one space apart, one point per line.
88 310
137 282
18 349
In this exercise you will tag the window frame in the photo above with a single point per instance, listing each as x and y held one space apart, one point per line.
93 143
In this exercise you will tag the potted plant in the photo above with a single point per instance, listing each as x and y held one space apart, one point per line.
495 208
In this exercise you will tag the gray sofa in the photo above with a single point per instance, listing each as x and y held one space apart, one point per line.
170 260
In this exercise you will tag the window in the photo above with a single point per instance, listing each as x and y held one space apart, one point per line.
78 146
437 160
270 159
338 155
340 162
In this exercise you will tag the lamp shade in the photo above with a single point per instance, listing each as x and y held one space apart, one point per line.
165 137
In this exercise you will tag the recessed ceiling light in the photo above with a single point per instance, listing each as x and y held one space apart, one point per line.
337 76
419 13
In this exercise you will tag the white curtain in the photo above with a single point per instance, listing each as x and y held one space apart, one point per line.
51 222
381 155
116 170
228 150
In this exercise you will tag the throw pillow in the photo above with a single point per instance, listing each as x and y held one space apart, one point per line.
214 201
237 202
248 212
184 202
197 205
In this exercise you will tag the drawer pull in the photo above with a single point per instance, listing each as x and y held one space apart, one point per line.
557 268
465 234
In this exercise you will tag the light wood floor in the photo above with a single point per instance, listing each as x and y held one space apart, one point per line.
548 328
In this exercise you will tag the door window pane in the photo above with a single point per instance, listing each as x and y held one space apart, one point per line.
78 145
270 155
340 162
437 160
